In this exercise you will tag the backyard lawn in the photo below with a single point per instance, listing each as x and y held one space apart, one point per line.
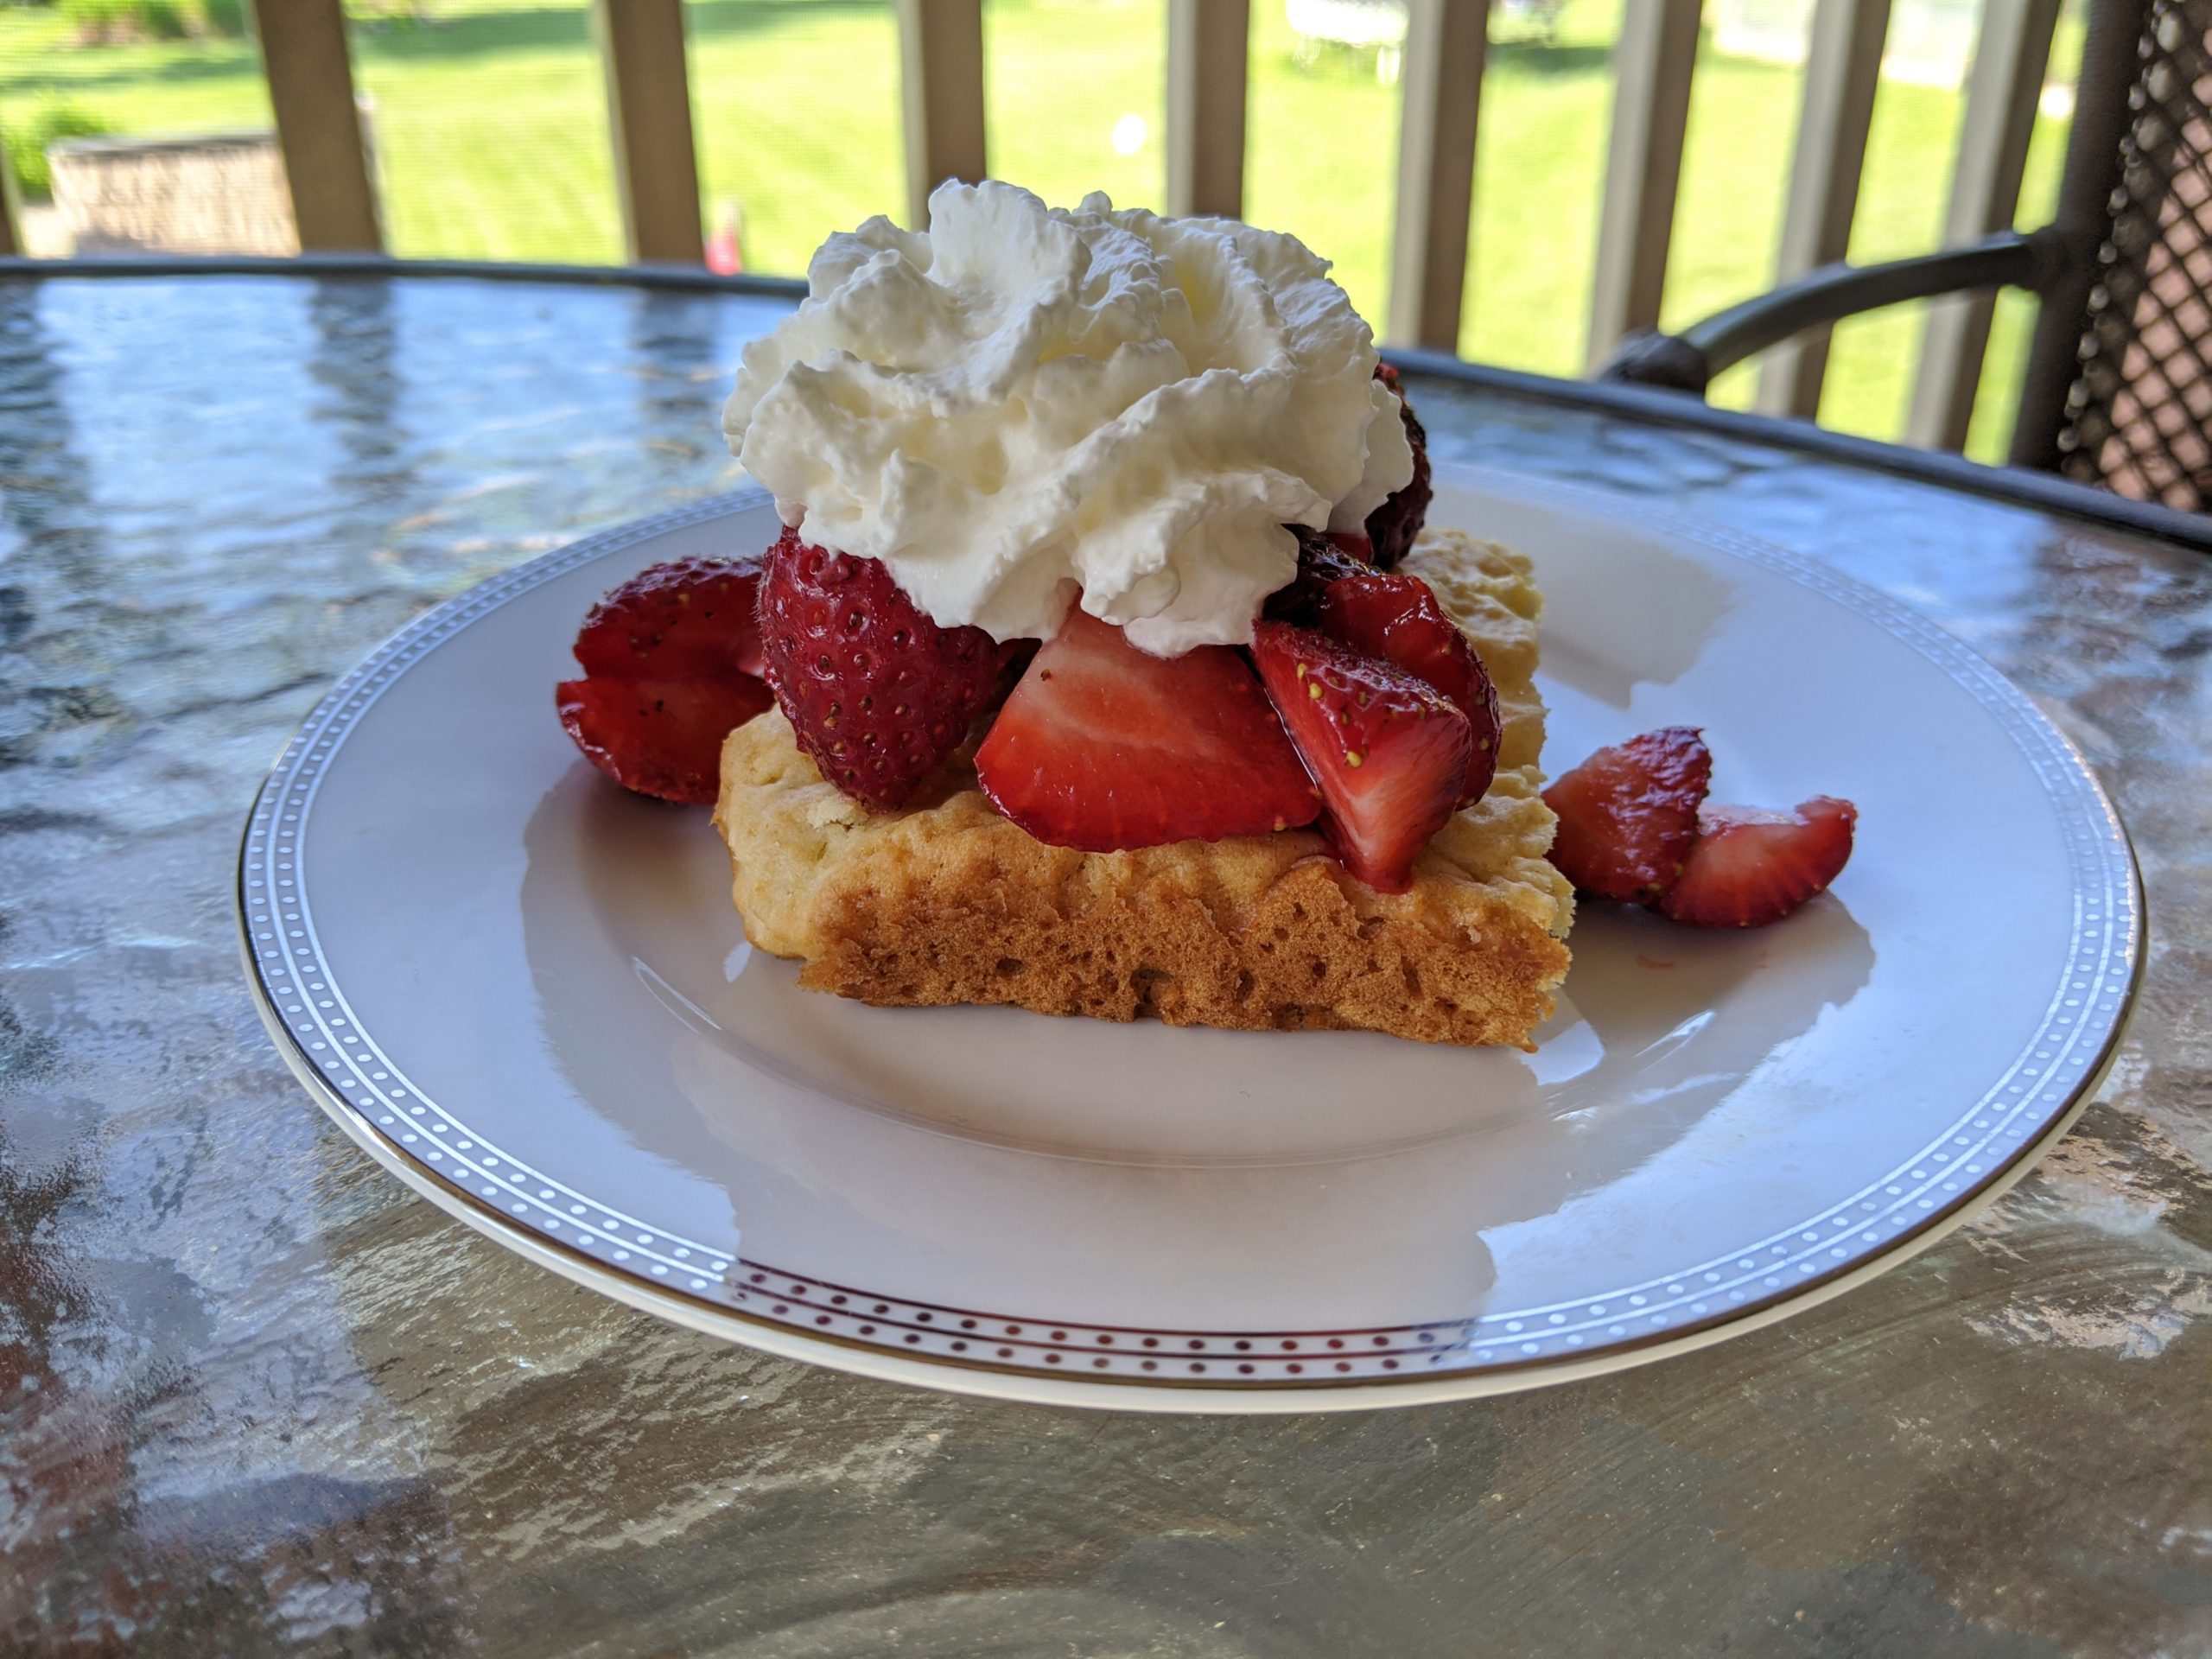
490 130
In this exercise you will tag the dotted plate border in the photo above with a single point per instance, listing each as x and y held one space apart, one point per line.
2083 1019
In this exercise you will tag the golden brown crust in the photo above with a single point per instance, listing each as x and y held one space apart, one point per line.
947 902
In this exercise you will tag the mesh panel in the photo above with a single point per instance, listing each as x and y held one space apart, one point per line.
2138 412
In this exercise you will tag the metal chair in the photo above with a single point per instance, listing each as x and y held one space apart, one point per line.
2119 385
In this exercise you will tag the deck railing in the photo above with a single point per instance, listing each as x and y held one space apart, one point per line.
641 43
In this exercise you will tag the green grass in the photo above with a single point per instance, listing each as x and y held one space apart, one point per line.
490 125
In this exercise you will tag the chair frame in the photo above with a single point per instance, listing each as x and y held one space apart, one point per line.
2057 264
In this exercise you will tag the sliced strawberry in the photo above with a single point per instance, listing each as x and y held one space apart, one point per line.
1750 867
1389 751
1392 527
1628 814
671 662
875 691
1104 747
1353 544
1322 560
1397 618
684 618
660 737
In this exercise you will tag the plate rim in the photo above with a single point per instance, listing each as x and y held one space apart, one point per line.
1282 1387
981 1380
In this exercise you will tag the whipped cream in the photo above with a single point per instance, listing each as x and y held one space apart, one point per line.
1024 402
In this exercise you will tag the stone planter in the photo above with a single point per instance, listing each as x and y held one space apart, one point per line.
207 192
194 193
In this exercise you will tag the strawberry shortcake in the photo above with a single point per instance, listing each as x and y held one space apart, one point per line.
1136 835
1114 668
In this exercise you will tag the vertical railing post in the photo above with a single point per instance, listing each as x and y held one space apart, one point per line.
2002 91
11 212
941 77
1843 68
1209 46
1654 61
318 123
648 115
1446 42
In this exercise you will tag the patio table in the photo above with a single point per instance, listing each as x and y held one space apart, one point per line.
254 1397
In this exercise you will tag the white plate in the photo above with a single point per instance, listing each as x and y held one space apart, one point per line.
526 992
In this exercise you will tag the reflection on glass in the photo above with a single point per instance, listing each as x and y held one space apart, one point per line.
354 364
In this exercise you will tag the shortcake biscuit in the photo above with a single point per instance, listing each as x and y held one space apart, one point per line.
945 901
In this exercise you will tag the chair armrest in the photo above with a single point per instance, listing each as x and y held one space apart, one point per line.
1687 361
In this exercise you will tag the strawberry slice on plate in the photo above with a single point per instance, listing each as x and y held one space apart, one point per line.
686 617
1104 747
1750 867
1388 749
671 661
876 693
1397 618
660 737
1628 814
